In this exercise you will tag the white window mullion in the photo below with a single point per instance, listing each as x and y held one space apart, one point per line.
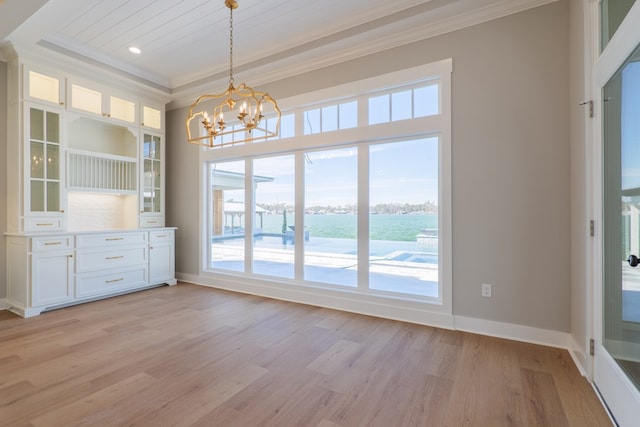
363 217
249 197
299 214
363 111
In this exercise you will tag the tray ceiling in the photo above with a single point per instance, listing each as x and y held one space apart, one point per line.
186 42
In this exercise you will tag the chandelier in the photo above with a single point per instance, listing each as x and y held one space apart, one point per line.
241 114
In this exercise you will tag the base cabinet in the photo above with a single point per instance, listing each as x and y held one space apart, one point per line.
46 272
52 278
162 255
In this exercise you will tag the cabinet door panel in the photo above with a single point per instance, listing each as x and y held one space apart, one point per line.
86 99
51 278
151 117
152 180
122 109
44 161
161 263
45 88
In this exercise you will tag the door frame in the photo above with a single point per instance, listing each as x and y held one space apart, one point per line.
616 389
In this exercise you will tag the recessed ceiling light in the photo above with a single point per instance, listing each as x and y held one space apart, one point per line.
135 50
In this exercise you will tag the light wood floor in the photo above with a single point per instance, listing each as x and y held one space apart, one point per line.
194 356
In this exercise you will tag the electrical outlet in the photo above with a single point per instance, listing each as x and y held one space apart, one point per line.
486 290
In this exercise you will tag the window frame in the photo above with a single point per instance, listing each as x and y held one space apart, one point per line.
420 127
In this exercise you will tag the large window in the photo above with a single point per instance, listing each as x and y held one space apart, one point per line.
227 215
358 200
331 223
403 217
273 244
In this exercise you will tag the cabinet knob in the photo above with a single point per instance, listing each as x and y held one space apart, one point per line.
62 211
61 103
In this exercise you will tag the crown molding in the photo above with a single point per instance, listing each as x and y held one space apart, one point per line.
313 56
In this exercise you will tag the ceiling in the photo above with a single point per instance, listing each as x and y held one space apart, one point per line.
185 43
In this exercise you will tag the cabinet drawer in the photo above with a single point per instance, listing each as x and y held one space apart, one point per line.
161 236
110 240
42 223
88 260
152 222
51 243
108 282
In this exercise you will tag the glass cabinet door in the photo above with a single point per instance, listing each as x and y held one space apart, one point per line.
44 159
152 185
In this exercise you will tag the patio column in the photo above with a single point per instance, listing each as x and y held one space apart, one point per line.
218 212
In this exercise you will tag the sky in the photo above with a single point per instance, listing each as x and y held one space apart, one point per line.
401 172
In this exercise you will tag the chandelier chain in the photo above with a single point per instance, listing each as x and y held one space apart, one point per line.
231 46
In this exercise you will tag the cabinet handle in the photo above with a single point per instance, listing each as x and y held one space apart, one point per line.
115 280
61 103
69 256
152 222
161 235
52 243
44 224
108 239
62 211
114 257
150 247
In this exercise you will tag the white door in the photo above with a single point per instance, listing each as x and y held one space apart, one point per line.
617 320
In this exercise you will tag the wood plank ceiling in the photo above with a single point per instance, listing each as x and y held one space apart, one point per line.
186 41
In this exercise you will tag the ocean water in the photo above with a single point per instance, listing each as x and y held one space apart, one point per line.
345 226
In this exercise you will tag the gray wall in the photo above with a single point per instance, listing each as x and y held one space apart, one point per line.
3 178
511 200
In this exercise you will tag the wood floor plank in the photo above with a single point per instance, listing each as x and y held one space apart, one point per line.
64 416
544 406
194 356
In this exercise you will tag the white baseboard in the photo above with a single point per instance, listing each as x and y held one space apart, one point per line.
513 332
3 304
580 358
413 313
397 309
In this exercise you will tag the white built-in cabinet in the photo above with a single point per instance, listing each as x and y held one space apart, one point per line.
86 214
85 146
50 271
